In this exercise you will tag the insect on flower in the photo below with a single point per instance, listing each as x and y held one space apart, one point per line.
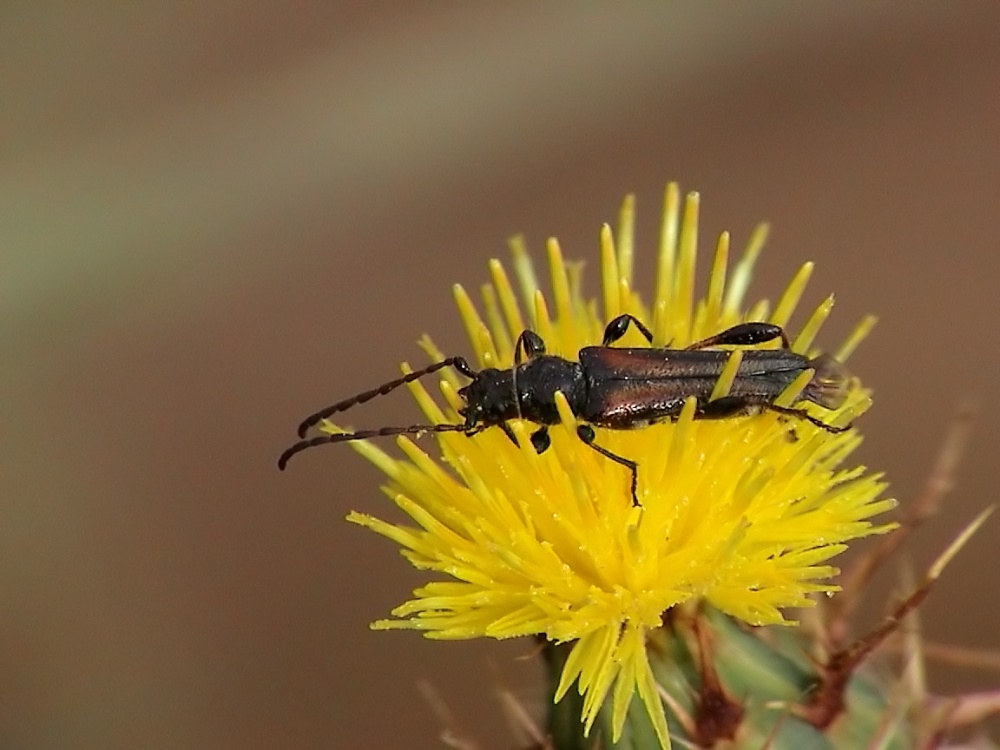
619 388
736 516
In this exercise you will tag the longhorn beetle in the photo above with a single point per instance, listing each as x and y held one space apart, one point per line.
616 388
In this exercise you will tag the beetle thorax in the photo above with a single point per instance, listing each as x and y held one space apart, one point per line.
490 397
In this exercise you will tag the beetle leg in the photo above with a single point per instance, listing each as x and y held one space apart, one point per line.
723 408
619 325
586 433
540 439
463 367
803 414
744 334
529 344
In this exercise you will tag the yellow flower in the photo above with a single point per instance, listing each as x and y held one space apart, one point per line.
742 513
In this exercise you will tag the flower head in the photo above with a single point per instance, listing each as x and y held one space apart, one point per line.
743 513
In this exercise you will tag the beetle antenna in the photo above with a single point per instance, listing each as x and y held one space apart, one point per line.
458 363
344 437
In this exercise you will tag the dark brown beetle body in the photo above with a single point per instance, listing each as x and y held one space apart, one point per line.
617 388
628 388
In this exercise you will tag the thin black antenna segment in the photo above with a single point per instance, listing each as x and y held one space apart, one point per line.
344 437
458 363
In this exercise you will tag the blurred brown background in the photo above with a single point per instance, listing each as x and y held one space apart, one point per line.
216 217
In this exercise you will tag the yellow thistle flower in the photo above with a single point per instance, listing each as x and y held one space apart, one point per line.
741 513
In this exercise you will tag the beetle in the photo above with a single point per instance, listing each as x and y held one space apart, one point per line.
618 388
